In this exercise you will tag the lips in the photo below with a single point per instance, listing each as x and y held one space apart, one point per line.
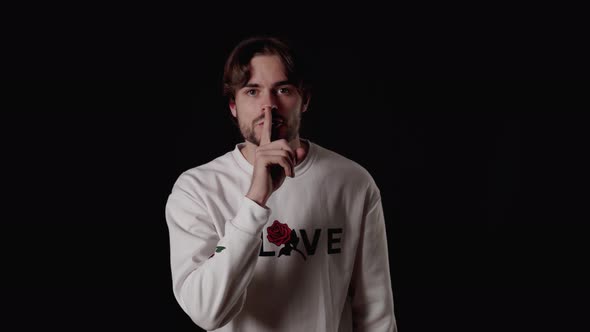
275 124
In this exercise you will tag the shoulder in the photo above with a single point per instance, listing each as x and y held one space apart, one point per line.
203 176
337 162
337 165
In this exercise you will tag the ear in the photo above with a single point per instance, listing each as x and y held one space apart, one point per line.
232 107
306 103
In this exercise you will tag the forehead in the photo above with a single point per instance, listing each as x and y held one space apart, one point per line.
267 67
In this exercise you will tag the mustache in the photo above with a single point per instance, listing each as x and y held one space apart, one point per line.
274 118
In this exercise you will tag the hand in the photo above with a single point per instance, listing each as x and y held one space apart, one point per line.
274 161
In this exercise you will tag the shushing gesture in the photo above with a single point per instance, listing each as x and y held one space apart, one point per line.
274 161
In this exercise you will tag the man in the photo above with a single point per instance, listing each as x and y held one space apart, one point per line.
279 234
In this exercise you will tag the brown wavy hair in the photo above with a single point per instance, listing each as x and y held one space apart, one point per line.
236 73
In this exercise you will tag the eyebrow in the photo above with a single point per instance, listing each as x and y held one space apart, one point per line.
256 85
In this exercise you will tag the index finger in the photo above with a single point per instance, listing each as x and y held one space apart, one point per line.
266 128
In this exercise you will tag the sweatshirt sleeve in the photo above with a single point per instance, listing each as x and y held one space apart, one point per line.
370 288
212 289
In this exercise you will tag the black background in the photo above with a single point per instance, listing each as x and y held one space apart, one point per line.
483 181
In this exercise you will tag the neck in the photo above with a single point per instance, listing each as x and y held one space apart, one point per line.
249 149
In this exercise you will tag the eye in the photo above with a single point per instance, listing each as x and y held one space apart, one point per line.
251 92
284 91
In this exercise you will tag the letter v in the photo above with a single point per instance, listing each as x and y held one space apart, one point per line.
310 248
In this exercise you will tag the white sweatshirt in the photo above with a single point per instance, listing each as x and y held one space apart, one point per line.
322 264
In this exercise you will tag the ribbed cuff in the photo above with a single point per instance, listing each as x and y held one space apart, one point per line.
251 217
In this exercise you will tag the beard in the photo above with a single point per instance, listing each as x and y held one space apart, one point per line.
288 131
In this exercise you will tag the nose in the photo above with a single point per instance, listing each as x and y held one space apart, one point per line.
269 102
269 107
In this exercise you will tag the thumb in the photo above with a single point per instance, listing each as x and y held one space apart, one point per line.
300 154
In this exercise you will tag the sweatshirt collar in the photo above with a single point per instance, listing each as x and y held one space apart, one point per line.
299 169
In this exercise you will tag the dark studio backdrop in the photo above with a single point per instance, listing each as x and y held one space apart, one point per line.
483 182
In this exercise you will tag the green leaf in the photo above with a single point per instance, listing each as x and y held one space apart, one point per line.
219 249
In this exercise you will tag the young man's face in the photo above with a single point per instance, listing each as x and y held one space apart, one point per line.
268 86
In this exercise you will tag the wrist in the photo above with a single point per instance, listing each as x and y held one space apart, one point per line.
258 199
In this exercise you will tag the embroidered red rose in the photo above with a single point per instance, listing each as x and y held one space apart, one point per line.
278 233
281 234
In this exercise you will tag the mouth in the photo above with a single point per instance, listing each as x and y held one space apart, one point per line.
275 124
